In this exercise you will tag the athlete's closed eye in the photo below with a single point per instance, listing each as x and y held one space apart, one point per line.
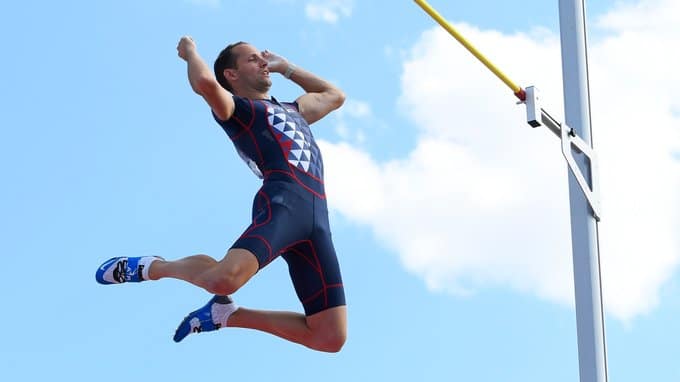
255 58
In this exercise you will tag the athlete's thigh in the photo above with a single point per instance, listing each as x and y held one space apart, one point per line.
315 273
279 220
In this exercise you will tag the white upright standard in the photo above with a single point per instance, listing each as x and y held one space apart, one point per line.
583 175
584 217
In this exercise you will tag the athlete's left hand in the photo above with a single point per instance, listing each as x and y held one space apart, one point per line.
185 47
275 63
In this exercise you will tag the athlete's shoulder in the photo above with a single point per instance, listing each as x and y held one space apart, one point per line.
245 112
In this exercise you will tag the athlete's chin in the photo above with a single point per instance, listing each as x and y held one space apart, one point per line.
265 85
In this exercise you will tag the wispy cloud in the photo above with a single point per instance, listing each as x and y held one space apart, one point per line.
352 119
356 109
481 201
329 11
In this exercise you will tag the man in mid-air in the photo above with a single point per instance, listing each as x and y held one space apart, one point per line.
290 216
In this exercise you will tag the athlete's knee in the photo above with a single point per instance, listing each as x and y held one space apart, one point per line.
228 275
330 341
328 329
224 282
225 279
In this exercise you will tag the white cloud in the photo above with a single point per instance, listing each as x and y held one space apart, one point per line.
328 11
356 109
481 201
636 88
356 114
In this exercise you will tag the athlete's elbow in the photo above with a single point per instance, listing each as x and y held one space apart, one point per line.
204 85
338 98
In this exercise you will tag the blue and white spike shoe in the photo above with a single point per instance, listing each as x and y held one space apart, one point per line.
210 317
120 270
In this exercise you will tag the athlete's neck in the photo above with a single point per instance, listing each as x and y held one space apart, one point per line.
253 94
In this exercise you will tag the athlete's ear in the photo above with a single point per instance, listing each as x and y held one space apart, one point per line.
230 74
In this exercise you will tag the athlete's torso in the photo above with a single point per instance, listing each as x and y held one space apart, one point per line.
276 142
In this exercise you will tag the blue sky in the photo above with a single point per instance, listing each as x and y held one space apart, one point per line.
449 215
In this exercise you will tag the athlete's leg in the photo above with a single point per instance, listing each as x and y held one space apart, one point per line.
315 274
239 265
218 277
323 331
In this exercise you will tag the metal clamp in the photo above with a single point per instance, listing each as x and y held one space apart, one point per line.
536 117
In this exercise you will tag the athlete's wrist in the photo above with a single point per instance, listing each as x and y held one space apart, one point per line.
290 70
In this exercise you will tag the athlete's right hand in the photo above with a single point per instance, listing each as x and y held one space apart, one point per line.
185 46
275 63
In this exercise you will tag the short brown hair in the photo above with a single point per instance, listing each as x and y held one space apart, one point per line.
226 60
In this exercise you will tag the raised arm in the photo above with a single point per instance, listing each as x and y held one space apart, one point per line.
320 98
203 82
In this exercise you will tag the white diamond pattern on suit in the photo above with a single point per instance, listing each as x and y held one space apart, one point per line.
299 154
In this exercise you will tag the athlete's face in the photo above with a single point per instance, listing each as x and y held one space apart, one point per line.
252 69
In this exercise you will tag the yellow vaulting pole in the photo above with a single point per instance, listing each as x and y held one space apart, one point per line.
519 92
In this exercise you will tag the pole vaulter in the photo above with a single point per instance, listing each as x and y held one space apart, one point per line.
584 197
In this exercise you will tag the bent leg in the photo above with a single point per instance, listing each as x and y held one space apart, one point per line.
217 277
324 331
186 269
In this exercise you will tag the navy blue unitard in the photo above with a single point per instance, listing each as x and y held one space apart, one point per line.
290 215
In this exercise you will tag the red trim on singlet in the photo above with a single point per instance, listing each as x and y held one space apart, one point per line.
269 214
309 174
269 172
317 266
315 295
245 127
323 279
269 247
321 196
297 180
257 148
324 291
254 225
